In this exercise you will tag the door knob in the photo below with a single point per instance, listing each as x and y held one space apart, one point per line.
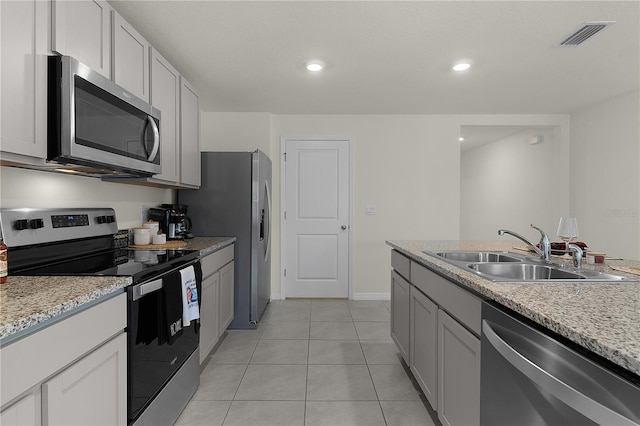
343 227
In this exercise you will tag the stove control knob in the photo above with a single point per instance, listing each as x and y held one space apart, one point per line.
110 219
36 223
102 219
20 224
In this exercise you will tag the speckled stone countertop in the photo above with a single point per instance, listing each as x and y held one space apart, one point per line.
208 245
28 304
603 317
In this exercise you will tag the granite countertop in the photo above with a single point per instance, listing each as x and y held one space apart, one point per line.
28 304
208 245
603 317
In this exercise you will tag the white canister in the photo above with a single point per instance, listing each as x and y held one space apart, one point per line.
152 226
159 239
141 236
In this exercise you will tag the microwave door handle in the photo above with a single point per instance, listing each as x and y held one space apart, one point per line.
156 138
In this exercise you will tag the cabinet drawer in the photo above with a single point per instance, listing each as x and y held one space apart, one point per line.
216 260
458 302
401 264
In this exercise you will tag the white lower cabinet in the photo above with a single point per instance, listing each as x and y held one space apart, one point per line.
443 344
458 373
27 411
216 310
91 391
423 338
400 289
73 372
226 289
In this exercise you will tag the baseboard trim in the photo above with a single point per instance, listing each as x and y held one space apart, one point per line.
371 296
275 296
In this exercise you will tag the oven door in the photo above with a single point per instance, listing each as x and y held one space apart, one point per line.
96 123
152 360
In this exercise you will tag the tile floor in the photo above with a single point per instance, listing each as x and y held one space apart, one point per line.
310 362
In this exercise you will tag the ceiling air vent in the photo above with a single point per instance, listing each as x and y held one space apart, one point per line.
585 32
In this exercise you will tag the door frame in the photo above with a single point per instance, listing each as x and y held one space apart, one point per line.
283 179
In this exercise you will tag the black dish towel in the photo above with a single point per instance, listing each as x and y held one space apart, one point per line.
170 309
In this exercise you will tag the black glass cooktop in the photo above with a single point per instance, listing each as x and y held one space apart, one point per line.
136 263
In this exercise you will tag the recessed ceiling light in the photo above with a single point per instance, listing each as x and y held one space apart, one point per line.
460 139
314 66
461 66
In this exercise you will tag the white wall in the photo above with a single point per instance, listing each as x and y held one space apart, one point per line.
231 131
509 184
406 165
605 175
37 189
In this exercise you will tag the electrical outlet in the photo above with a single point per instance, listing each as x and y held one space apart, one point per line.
370 210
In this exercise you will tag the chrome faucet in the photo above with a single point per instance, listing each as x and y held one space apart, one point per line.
576 253
545 245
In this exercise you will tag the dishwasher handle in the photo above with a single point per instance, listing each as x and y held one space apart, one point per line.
573 398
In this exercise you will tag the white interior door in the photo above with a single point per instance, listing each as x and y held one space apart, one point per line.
317 217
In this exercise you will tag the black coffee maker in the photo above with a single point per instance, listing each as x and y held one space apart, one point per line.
173 220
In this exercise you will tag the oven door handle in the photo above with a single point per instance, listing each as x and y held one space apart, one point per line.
142 290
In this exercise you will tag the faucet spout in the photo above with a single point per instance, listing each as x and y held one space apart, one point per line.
545 245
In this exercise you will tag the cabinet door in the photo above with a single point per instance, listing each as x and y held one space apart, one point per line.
24 412
165 95
209 315
458 373
423 344
225 299
82 29
400 314
24 47
189 135
91 391
130 59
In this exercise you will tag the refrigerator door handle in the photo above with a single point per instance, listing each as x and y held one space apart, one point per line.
267 222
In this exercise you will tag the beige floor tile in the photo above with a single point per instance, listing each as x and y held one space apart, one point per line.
380 352
373 330
281 352
266 413
273 383
234 352
406 413
330 314
392 383
343 413
339 383
286 330
203 413
219 382
379 313
335 352
337 330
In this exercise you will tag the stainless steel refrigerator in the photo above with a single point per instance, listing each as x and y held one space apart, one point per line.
234 200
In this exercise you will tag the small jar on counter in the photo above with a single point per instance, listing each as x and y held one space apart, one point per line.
4 266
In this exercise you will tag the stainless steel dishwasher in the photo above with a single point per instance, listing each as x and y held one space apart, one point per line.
531 377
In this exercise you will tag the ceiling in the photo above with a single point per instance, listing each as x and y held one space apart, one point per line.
394 57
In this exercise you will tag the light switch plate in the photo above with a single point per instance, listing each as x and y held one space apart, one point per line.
370 210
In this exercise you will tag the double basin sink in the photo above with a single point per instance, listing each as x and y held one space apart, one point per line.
512 267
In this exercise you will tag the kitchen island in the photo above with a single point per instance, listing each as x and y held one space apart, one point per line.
603 317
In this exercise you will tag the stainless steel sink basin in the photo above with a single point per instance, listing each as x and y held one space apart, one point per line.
478 256
501 266
524 271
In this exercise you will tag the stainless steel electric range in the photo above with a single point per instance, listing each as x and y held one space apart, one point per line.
163 374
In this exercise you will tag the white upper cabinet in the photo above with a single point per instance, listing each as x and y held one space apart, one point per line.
24 47
165 95
82 29
130 61
189 135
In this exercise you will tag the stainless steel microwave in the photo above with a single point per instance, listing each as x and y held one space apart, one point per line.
94 123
